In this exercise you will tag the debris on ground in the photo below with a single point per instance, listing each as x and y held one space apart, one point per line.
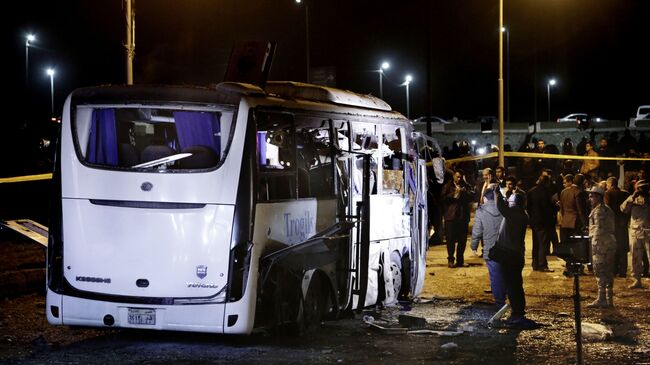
596 332
390 330
435 332
420 300
499 314
410 322
449 346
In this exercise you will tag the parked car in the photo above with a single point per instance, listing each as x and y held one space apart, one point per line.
643 112
575 118
437 124
434 120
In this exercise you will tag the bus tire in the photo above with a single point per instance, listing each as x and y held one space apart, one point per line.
314 307
405 289
395 267
400 267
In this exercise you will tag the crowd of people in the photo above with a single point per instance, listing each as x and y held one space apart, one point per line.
584 199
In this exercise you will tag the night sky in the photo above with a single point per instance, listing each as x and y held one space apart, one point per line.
597 49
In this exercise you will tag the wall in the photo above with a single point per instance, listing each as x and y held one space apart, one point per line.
515 133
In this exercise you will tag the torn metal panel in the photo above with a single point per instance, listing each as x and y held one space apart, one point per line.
287 268
419 232
28 228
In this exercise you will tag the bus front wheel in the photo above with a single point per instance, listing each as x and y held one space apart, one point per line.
314 307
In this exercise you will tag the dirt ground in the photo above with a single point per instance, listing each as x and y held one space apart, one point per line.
454 300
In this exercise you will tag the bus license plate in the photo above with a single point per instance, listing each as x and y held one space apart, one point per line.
142 316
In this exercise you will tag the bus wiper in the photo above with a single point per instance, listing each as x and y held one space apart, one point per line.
162 161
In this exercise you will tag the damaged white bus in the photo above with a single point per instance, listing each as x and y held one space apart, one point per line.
217 210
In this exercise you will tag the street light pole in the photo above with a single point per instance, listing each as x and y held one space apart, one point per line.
50 73
501 136
407 82
381 87
550 83
130 41
384 66
507 33
30 38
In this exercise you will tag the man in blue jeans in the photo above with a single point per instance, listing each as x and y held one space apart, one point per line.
487 221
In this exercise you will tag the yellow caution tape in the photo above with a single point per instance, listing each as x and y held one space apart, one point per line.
572 157
25 178
453 160
472 158
540 155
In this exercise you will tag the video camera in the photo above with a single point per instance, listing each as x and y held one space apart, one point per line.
575 252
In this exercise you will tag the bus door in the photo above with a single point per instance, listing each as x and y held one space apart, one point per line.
363 184
419 227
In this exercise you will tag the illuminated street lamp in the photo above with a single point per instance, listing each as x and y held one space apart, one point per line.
550 83
29 38
50 72
384 66
407 81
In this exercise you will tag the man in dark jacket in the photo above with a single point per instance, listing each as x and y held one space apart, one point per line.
511 240
607 167
573 208
456 199
542 213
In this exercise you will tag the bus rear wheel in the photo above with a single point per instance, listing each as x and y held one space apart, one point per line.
400 269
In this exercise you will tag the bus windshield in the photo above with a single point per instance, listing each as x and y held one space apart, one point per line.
145 138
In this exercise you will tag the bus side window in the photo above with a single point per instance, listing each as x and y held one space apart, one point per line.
276 157
392 152
314 165
364 139
392 138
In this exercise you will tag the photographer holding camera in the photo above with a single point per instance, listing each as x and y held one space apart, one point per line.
509 253
638 207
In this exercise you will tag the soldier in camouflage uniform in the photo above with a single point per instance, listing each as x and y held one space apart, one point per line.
603 247
637 206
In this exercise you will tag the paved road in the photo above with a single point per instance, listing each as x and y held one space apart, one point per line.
459 305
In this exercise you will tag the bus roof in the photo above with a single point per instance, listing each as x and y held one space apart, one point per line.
163 93
230 93
298 90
